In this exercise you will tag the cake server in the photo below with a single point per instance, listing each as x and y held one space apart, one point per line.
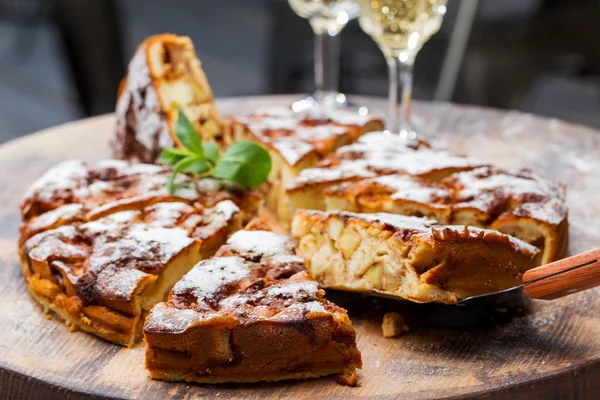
554 280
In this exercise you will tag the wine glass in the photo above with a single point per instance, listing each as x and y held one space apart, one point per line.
327 19
400 28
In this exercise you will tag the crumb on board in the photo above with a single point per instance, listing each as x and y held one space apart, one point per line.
393 325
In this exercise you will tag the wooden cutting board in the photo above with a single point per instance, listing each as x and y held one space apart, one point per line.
539 350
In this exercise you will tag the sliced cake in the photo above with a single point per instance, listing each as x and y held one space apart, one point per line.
74 191
296 141
252 313
522 204
164 76
408 257
396 194
375 154
518 203
103 276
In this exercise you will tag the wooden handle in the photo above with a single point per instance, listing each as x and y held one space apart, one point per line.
564 277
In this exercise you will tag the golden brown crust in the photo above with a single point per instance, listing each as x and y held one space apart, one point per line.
408 257
100 245
103 275
375 154
74 192
251 313
297 141
164 76
521 203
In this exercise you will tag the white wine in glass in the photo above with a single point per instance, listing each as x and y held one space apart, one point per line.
400 28
327 19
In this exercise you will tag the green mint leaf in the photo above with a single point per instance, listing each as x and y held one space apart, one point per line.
211 151
187 135
172 155
245 163
180 167
198 167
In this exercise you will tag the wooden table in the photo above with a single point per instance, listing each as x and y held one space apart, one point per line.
551 351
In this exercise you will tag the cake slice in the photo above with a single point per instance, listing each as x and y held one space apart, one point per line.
252 313
408 257
103 276
76 192
396 194
164 76
521 204
296 141
375 154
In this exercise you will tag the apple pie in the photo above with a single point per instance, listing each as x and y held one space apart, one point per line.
375 154
102 244
518 203
251 313
408 257
74 191
296 141
164 76
103 276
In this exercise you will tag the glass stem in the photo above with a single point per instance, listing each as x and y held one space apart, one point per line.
400 69
327 62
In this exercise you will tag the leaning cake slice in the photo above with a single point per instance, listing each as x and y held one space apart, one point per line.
164 76
408 257
252 313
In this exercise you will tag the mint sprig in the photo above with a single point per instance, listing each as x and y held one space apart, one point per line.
244 163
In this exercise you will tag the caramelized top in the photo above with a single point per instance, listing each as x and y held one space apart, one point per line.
74 191
255 276
406 228
492 192
378 153
497 193
395 187
294 135
108 258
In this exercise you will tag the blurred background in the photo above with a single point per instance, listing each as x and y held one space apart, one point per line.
62 60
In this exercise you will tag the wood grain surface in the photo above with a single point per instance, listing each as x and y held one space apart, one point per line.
527 350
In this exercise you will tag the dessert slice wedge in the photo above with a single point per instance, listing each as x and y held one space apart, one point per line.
408 257
164 76
74 192
375 154
296 141
252 313
520 203
396 194
103 276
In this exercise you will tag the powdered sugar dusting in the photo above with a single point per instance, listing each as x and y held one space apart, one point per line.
536 197
397 221
408 188
297 290
295 135
118 283
172 320
292 150
63 213
376 154
207 278
227 209
264 243
64 176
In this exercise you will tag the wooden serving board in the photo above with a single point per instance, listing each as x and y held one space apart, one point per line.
545 350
